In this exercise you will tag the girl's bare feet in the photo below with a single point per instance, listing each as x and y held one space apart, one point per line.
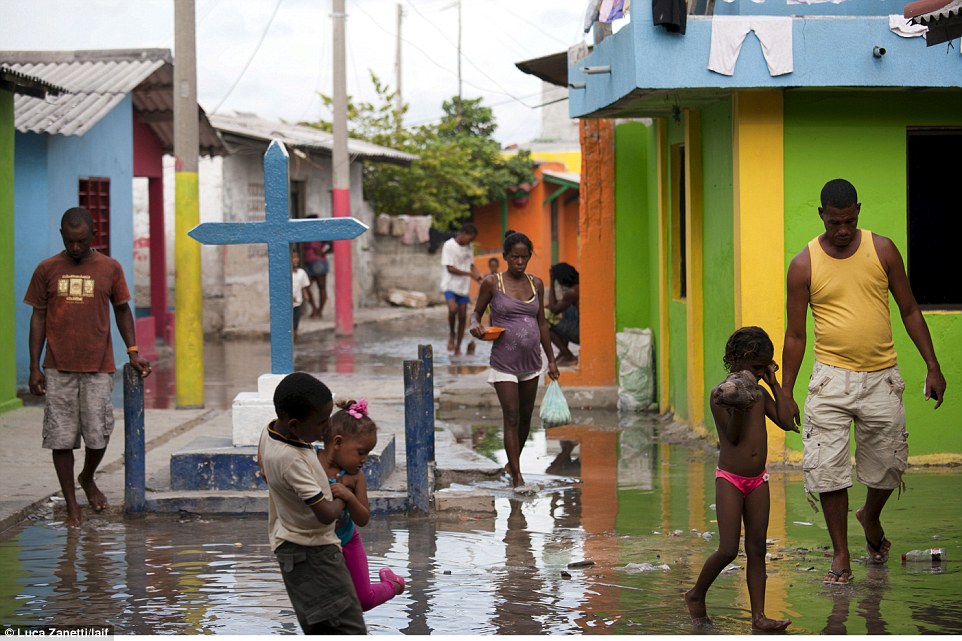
697 609
762 623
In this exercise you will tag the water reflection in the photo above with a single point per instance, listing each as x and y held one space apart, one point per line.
637 501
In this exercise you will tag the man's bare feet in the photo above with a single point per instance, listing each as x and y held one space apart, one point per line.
877 552
452 341
566 361
762 623
457 351
95 497
697 610
471 348
74 516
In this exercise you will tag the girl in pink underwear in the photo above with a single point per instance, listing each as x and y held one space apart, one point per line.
739 406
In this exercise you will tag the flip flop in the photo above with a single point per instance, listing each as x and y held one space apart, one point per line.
877 549
838 574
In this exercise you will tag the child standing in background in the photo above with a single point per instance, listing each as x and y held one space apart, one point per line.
739 406
302 510
300 285
349 438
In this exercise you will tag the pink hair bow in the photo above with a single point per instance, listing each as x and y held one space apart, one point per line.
358 409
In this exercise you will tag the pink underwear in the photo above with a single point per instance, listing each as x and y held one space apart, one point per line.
744 484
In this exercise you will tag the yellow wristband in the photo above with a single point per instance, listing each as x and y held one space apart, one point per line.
132 348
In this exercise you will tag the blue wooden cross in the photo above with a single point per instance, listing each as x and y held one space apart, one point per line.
278 231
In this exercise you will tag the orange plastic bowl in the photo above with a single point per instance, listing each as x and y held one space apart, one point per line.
491 333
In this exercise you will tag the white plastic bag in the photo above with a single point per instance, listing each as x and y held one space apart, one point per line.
636 385
554 407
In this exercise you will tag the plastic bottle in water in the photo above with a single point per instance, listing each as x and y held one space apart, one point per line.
932 555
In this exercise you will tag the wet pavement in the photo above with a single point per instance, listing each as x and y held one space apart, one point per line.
586 555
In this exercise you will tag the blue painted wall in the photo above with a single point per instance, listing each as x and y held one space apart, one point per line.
827 52
48 169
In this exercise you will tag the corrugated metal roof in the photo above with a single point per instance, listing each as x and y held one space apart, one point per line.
22 83
97 81
252 127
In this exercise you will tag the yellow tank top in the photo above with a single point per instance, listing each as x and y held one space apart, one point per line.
850 305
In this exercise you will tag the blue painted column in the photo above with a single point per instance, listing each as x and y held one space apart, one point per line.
134 458
416 425
426 356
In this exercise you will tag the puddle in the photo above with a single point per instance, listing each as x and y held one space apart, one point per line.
625 500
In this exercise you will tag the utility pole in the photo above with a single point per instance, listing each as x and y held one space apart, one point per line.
398 102
460 99
341 194
188 291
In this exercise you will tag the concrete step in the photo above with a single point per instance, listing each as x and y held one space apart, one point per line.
214 463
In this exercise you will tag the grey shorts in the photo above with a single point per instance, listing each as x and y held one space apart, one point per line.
320 587
838 397
78 404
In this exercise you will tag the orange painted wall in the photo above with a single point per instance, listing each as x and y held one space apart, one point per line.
596 364
532 219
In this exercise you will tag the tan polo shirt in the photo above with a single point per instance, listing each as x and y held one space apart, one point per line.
295 481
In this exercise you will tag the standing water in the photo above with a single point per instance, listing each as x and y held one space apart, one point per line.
586 555
620 531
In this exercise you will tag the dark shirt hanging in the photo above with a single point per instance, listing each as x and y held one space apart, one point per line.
670 14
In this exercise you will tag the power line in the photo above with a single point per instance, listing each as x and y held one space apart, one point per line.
251 59
471 62
431 59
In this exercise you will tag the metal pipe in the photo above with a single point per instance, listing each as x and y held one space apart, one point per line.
134 463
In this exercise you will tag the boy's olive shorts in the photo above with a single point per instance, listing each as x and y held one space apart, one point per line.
320 587
873 400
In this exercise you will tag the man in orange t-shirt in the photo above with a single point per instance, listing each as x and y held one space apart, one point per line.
71 294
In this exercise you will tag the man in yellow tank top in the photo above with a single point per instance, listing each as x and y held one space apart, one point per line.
845 276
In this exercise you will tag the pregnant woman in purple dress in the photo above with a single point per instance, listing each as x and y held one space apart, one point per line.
517 305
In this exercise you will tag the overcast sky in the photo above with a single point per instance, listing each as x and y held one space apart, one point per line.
294 61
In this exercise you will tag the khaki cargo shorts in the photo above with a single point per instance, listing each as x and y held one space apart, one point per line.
838 397
78 403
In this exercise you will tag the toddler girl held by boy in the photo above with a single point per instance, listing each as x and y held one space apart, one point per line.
349 438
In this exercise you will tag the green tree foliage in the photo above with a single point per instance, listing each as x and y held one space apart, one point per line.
460 164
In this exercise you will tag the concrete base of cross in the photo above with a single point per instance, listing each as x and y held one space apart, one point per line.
252 411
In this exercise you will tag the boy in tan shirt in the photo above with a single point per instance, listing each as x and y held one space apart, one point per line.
302 510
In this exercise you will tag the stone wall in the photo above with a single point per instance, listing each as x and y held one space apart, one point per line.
401 266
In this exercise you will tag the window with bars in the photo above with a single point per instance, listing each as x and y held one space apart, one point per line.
94 196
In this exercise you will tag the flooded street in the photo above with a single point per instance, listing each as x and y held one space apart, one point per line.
619 531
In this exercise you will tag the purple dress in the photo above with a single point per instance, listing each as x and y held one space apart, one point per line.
518 351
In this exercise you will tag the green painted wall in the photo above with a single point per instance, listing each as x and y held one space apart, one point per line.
718 245
677 308
8 363
862 138
636 247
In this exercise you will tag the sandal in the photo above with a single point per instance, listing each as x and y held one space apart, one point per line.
874 550
838 574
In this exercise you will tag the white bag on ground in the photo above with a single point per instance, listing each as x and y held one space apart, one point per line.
554 407
636 385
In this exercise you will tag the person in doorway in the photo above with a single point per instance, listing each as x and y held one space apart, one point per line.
302 510
494 265
516 300
71 294
300 285
845 275
457 270
739 406
350 437
317 268
567 330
